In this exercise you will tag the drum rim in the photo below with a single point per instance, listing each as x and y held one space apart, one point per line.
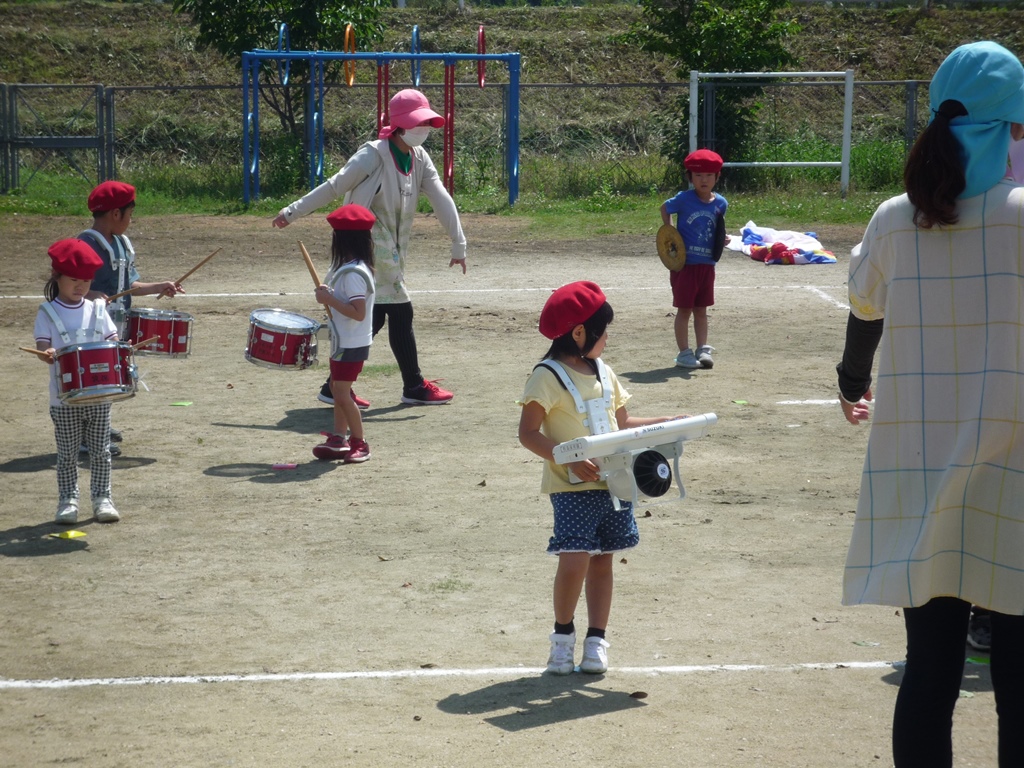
92 345
172 314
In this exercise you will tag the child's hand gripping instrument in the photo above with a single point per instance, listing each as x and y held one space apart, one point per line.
635 462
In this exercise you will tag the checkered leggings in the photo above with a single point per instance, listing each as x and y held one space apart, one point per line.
73 425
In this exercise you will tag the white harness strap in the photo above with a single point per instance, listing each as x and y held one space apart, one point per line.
94 330
119 264
596 410
360 269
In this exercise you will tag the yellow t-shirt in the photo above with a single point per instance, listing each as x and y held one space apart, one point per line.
562 422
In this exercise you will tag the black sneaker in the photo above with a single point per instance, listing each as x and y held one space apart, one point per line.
115 449
979 631
115 435
326 396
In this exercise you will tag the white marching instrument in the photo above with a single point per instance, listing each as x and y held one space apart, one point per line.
635 462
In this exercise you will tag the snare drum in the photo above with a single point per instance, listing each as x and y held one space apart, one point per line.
172 329
280 339
95 372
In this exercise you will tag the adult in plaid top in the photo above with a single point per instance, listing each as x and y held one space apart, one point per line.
935 286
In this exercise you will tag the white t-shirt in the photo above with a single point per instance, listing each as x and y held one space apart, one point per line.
82 325
352 281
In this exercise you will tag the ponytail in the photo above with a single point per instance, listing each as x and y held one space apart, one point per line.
934 173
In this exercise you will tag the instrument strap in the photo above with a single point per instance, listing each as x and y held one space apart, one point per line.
597 421
99 310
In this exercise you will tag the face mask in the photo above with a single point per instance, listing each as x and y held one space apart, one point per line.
416 136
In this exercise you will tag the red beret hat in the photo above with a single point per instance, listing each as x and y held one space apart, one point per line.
110 195
74 258
703 161
351 216
569 306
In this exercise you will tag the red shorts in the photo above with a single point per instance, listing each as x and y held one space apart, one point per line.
693 286
345 371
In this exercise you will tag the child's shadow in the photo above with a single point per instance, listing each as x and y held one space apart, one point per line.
311 421
35 541
539 701
656 375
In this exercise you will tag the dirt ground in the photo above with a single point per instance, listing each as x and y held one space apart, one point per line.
397 612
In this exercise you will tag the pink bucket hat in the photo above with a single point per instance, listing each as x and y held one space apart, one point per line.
407 109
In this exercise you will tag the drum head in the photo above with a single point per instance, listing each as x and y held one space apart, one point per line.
281 319
671 249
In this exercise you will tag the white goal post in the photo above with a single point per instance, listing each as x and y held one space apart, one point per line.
847 82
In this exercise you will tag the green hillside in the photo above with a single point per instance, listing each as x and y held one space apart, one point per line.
145 43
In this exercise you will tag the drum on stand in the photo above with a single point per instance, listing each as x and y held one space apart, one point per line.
172 329
95 372
281 339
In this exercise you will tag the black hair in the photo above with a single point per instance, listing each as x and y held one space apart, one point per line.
351 245
934 173
50 290
595 326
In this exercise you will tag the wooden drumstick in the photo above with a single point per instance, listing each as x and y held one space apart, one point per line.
39 352
116 296
312 272
150 340
181 279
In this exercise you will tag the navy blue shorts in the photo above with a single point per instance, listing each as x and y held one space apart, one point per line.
587 521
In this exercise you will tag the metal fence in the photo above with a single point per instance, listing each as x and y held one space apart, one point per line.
575 139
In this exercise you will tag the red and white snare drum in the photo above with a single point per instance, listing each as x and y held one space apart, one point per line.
172 329
95 372
280 339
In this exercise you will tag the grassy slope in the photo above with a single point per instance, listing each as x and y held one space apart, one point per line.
144 43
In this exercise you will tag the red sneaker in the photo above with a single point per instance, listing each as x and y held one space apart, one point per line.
427 393
361 404
359 451
335 448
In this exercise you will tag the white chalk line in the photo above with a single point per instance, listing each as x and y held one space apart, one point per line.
288 677
808 402
461 291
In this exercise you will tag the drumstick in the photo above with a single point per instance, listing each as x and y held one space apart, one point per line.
116 296
150 340
312 272
39 352
181 279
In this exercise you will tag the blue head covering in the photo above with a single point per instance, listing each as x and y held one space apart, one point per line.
989 81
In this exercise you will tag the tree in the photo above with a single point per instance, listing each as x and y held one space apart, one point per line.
235 26
723 36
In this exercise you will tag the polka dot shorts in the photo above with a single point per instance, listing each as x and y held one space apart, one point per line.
587 521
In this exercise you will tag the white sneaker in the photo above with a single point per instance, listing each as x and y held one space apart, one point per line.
595 656
563 648
103 509
686 359
67 512
704 356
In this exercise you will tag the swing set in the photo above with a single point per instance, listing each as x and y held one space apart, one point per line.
283 56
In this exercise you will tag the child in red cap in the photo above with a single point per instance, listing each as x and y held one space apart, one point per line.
571 394
112 204
388 176
348 292
64 319
700 219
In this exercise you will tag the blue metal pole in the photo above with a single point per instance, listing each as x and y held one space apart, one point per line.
513 129
246 196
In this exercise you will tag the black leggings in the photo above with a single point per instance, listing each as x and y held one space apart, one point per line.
922 728
402 340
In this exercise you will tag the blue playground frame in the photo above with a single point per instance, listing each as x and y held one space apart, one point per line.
251 61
